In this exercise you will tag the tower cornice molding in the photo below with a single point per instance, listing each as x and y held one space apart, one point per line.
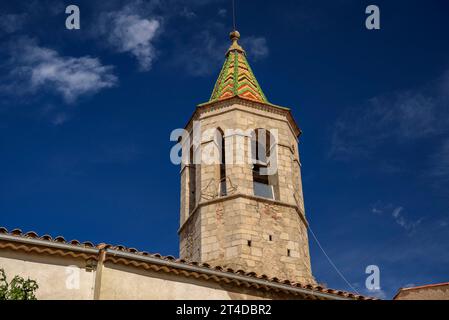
246 196
256 105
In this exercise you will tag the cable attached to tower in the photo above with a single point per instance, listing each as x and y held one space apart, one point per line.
233 15
331 262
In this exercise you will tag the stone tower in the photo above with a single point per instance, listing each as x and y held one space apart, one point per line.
244 209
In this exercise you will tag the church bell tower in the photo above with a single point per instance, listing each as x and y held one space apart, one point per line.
244 209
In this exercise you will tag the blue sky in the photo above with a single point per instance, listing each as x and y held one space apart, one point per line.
86 115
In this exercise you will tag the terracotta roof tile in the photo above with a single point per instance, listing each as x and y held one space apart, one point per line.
31 234
76 243
60 239
88 244
16 232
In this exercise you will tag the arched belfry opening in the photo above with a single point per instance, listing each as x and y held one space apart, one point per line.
192 179
264 172
222 162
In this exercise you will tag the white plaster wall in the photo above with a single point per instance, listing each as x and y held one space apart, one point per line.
50 274
121 282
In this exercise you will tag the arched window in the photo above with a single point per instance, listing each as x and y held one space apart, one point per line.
265 185
222 157
192 181
260 143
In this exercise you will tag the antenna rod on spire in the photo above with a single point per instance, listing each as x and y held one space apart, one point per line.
233 14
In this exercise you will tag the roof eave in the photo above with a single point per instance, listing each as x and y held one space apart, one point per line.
231 276
286 110
127 254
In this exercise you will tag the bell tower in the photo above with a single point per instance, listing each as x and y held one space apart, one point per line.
241 193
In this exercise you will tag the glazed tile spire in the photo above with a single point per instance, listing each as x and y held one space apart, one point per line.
236 77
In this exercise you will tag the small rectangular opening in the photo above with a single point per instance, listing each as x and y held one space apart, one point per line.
223 190
249 243
270 237
261 183
263 190
288 252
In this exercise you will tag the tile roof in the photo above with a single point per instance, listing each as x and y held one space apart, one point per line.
17 240
236 77
426 286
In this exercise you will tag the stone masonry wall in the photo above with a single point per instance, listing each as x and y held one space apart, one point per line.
240 230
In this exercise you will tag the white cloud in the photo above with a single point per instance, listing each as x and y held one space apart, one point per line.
205 51
222 12
397 213
128 32
402 221
34 68
10 23
187 13
202 55
60 118
439 162
256 47
361 289
404 116
379 294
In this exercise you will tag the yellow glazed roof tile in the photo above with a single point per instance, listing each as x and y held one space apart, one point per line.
236 77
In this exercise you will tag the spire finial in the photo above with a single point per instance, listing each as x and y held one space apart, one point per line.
235 37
